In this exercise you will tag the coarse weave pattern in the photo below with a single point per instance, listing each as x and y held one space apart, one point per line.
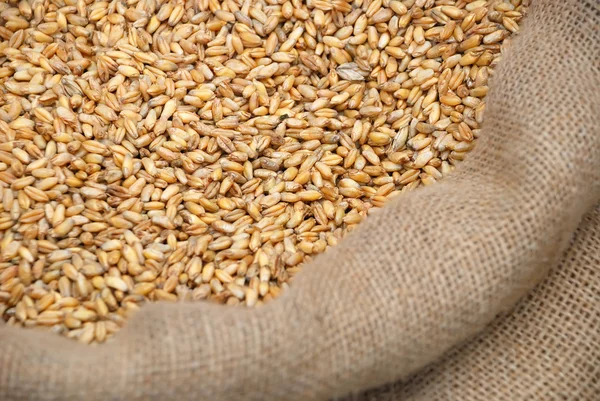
548 348
427 272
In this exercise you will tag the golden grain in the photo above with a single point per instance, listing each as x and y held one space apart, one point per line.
168 150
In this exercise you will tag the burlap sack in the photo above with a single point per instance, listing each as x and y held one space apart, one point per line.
547 349
424 274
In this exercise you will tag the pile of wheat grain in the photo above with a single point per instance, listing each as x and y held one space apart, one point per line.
186 150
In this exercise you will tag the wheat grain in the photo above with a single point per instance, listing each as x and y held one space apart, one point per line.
187 150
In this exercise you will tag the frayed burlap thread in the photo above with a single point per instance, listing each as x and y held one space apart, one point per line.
429 271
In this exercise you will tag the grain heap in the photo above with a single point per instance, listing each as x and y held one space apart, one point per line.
187 150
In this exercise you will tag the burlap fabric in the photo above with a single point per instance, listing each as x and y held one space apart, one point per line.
547 349
428 272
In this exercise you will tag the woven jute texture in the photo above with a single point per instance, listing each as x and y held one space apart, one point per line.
547 349
428 272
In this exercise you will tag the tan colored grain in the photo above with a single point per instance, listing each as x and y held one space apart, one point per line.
206 150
